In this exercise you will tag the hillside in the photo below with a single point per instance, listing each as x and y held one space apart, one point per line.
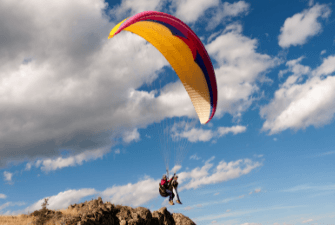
97 212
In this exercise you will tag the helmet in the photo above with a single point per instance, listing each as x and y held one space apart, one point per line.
175 177
164 176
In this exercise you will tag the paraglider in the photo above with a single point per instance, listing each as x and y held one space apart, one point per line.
187 56
166 188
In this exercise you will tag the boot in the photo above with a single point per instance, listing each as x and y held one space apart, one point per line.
171 202
178 202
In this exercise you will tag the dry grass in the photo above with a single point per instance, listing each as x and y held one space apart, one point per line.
16 220
29 220
69 212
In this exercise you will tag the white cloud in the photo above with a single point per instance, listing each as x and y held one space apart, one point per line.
310 3
307 187
251 224
306 221
190 10
133 194
324 154
327 67
143 191
3 196
60 162
188 208
306 98
242 212
199 134
130 136
235 130
239 69
10 204
195 157
225 11
117 151
222 172
301 26
323 52
28 166
176 168
257 190
62 200
131 7
77 74
8 176
195 135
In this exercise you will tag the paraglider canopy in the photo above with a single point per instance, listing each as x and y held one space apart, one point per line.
185 53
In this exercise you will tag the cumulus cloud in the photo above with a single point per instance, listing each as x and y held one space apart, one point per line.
190 10
193 134
227 10
239 69
251 224
60 162
62 200
301 26
255 191
8 176
222 172
132 194
235 130
130 136
131 7
176 168
306 98
306 221
65 86
188 208
195 157
145 190
3 196
10 204
28 166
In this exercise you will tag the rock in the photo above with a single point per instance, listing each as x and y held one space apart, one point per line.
97 212
164 217
180 219
145 214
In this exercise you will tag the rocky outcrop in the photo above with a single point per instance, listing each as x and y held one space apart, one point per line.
97 212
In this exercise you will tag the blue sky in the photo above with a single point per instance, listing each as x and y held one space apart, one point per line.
83 116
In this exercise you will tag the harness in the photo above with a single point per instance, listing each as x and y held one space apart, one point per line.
169 186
